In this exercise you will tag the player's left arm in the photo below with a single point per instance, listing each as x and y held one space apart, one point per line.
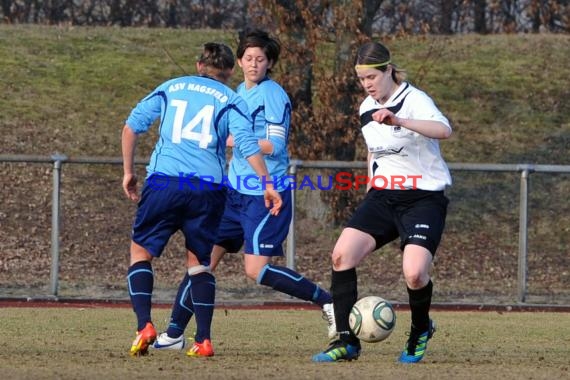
429 128
266 146
277 122
276 139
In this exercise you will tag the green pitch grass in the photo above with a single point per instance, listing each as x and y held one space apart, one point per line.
78 343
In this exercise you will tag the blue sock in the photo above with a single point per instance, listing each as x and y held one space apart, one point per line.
140 280
290 282
203 295
182 309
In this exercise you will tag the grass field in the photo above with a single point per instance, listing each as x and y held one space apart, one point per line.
92 343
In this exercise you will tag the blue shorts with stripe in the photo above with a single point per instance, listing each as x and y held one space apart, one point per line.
247 220
172 205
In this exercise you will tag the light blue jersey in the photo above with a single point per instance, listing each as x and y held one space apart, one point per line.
270 109
196 115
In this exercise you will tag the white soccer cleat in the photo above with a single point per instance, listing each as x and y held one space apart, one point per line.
164 342
328 315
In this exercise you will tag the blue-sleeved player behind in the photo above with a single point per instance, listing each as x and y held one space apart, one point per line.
246 220
184 189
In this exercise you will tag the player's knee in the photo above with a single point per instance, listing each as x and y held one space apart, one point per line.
416 279
252 272
138 253
339 261
196 269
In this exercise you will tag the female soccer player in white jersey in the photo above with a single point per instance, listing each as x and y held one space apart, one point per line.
401 126
245 218
182 190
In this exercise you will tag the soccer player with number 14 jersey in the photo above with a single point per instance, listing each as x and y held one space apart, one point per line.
197 114
246 222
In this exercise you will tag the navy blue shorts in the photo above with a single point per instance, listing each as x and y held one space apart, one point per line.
173 206
246 219
415 216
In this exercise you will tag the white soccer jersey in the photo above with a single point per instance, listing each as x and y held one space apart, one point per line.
401 158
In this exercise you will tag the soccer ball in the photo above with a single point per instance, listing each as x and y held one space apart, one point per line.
372 319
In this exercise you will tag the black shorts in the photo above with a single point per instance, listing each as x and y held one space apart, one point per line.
416 216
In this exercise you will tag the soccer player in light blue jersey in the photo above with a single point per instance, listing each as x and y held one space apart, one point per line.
184 186
245 218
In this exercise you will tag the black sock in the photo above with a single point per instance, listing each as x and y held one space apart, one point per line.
344 292
420 302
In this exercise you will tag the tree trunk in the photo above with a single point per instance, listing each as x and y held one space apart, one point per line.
6 11
369 10
480 21
446 16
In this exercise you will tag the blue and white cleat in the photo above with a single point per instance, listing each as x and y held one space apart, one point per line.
164 342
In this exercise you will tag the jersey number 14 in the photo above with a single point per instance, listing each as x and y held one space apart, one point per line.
197 129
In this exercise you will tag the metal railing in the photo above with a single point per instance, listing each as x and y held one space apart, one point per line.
524 169
57 160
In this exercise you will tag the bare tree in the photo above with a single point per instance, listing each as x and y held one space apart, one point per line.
368 14
551 15
55 11
447 8
479 19
6 6
171 19
348 36
375 17
325 122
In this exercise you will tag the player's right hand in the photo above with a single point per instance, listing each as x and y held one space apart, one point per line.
385 116
130 187
273 201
